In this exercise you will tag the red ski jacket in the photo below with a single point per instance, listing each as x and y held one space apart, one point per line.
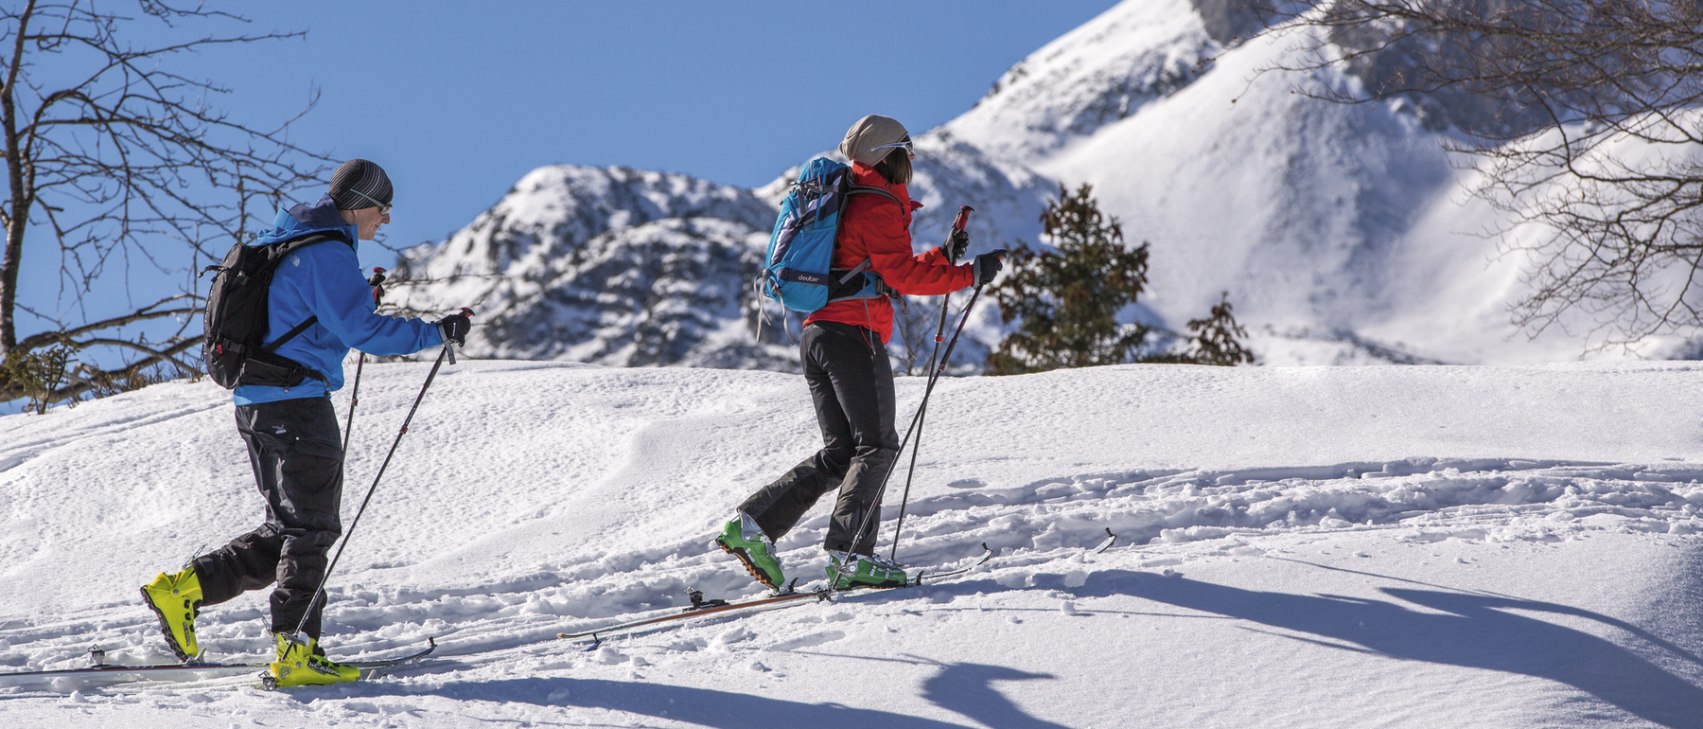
874 229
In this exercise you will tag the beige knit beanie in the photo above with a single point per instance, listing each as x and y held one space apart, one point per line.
867 139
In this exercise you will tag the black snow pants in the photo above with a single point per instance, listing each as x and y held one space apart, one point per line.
851 382
296 450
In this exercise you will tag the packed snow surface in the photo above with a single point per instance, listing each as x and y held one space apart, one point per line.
1297 547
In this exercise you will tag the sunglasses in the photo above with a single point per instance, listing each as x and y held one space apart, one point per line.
905 143
383 208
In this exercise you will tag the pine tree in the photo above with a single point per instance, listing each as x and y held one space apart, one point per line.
1068 301
1218 339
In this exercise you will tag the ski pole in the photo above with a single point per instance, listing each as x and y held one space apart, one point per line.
377 284
320 591
963 319
958 224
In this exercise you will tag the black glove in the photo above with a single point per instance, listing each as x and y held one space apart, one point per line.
987 265
956 243
455 327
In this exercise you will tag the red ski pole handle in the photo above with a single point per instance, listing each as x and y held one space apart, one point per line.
963 218
958 236
376 281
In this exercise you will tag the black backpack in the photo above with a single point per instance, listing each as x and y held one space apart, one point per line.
235 349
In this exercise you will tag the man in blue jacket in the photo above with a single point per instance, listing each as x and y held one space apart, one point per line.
294 444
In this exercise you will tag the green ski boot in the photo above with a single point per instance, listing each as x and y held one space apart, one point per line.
846 571
175 600
742 538
301 663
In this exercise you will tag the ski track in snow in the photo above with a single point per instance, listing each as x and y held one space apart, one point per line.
1039 525
646 463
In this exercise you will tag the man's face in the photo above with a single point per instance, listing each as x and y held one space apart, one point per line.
368 220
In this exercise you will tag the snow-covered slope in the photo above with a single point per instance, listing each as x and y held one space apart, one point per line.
1300 209
1317 547
1094 76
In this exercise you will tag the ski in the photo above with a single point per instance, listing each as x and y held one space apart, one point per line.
182 672
369 669
1107 543
938 575
702 608
923 576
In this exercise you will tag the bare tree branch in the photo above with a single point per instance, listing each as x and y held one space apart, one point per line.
115 159
1587 120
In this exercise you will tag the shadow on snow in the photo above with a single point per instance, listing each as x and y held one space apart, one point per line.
964 689
1472 630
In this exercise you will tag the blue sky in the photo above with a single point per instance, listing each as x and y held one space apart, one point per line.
458 103
458 100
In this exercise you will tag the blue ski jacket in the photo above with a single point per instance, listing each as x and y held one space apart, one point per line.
325 280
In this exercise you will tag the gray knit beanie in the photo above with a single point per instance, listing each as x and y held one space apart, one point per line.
358 184
864 139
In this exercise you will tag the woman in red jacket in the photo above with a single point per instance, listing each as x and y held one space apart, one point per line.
844 351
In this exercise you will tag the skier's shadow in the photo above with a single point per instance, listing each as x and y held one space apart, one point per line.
967 688
686 704
1467 629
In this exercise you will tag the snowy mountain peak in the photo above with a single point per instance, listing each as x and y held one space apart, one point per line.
553 210
1093 76
614 265
1342 233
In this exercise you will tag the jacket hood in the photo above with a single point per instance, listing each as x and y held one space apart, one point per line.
320 217
868 176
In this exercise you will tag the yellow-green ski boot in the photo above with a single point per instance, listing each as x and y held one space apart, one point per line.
300 664
743 539
176 599
847 571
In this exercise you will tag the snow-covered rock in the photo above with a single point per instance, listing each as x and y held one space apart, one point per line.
615 266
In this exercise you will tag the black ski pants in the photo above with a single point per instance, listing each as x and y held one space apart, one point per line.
851 382
296 450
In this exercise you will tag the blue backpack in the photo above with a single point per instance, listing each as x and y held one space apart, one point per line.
797 269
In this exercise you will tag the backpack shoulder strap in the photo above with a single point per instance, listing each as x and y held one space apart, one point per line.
864 266
284 249
289 335
872 190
